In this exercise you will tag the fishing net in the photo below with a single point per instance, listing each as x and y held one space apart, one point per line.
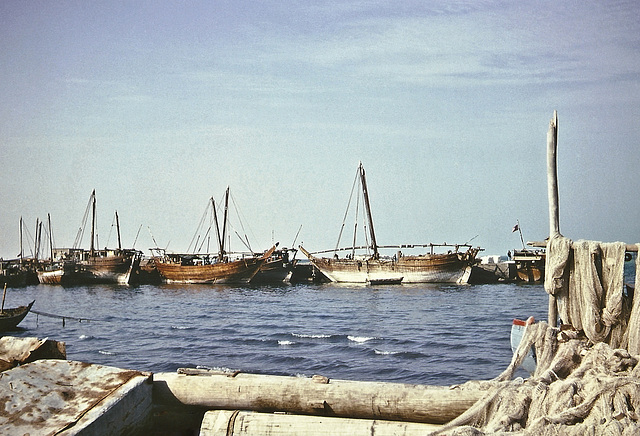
587 378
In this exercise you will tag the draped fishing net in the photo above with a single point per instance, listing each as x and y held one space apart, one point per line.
587 378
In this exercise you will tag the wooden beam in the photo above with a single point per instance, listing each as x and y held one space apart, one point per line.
236 423
315 396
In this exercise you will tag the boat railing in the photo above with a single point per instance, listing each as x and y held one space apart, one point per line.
457 247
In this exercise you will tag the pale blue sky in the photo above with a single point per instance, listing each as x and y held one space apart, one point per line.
159 105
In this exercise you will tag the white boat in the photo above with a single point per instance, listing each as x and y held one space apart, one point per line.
517 332
453 266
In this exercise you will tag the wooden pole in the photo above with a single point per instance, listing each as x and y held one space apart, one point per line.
552 191
236 423
4 294
315 396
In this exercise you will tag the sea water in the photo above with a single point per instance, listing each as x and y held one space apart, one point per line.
421 334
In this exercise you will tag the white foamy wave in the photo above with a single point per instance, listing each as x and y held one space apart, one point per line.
385 353
299 335
360 339
83 337
286 342
179 327
108 353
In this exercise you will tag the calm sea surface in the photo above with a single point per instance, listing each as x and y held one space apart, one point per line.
424 334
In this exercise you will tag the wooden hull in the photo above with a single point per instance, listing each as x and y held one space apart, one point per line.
117 269
428 268
272 271
529 265
69 274
10 318
239 271
53 277
530 274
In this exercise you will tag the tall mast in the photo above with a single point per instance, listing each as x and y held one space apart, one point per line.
93 221
36 243
215 219
365 193
118 229
21 249
224 223
50 236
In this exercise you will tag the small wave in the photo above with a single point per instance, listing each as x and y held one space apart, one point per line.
360 339
386 353
286 342
108 353
299 335
179 327
83 337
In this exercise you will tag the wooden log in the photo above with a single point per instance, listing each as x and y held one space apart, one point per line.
316 396
552 191
552 176
236 423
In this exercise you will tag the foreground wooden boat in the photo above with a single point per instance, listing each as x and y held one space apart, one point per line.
454 266
62 397
10 318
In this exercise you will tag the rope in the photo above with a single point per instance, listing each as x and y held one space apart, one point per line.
63 317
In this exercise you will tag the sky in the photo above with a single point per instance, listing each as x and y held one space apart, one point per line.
160 105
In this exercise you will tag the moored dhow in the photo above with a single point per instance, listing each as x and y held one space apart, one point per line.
207 267
188 268
453 266
80 266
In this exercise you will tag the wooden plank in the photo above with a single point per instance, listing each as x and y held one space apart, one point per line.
235 423
315 396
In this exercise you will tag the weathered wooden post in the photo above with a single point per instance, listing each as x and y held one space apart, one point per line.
552 191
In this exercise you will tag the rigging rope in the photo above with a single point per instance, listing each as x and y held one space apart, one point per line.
196 235
80 234
240 220
346 212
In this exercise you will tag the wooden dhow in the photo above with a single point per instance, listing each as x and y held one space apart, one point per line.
453 266
80 266
207 267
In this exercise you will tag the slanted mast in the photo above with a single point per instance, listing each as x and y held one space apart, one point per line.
367 205
224 225
93 222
